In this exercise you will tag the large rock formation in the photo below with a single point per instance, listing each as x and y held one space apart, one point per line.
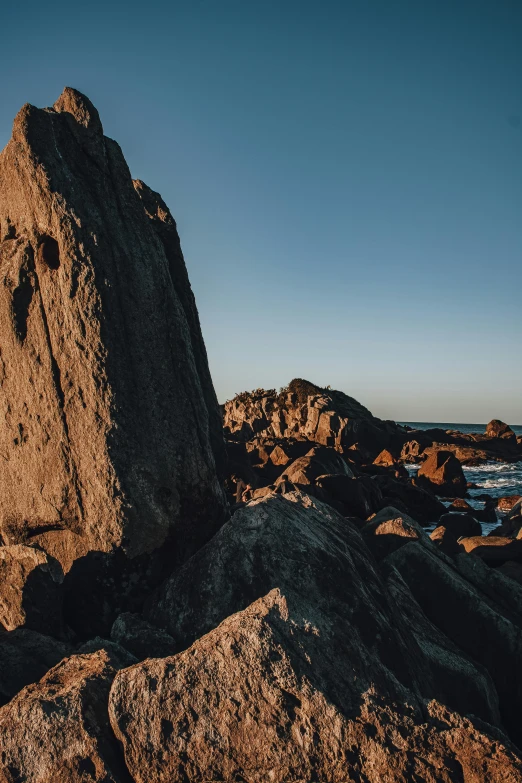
278 693
310 412
112 436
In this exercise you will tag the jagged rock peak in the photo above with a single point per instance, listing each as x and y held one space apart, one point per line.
80 107
307 411
112 426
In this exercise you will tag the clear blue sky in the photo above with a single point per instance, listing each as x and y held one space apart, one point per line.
346 177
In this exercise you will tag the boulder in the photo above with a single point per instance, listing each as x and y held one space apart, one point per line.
317 462
351 496
117 653
442 473
445 541
58 728
468 615
30 590
141 638
268 696
493 549
390 529
498 429
112 429
459 525
385 458
25 656
508 502
308 552
460 681
290 541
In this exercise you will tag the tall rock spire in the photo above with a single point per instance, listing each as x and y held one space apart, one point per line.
111 434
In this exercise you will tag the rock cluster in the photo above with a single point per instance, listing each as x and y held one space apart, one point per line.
310 628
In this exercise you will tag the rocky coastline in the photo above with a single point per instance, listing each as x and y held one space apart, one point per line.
259 591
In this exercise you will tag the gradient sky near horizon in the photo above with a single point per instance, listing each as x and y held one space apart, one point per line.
346 177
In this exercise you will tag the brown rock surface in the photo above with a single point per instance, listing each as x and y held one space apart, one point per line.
30 589
498 429
112 430
324 416
442 473
266 697
57 730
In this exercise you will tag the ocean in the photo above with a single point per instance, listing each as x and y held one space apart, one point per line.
496 479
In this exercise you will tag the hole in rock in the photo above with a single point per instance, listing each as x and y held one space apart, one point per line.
49 252
22 296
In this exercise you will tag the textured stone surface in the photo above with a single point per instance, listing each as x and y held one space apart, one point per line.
112 429
268 696
57 730
442 472
30 589
292 542
325 416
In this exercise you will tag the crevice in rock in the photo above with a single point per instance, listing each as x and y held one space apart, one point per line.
56 374
22 297
49 252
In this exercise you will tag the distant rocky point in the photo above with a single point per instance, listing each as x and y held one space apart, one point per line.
270 594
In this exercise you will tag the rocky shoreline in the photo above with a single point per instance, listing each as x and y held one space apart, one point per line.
261 592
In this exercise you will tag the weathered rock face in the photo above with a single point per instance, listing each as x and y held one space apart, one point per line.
268 696
323 416
498 429
287 541
442 472
30 589
58 729
112 431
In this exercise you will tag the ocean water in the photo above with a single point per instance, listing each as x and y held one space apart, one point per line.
496 479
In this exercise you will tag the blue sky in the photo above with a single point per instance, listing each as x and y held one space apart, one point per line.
346 177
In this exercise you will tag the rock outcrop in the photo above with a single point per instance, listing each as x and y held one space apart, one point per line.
266 697
58 729
112 438
442 473
112 427
303 410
